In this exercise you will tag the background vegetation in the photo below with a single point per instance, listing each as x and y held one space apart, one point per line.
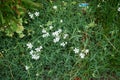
12 13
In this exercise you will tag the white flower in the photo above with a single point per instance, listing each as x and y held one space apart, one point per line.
86 51
29 45
98 5
59 30
35 56
63 44
61 20
46 35
29 12
38 49
50 27
31 15
44 31
56 39
27 67
76 50
37 74
56 33
119 9
55 7
31 52
36 14
41 25
82 55
65 36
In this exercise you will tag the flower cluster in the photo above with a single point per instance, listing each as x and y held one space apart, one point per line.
33 15
56 35
63 44
29 45
45 33
34 53
82 53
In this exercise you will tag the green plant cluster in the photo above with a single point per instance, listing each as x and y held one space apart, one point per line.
65 42
11 15
106 13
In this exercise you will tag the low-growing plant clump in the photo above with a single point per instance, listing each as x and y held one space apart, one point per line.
64 40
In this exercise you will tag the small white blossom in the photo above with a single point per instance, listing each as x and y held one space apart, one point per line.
119 9
65 36
29 12
37 74
41 25
55 7
82 55
61 20
56 33
50 27
86 51
36 14
38 49
76 50
27 67
56 39
35 56
31 15
46 35
98 5
31 52
63 44
44 31
59 30
29 45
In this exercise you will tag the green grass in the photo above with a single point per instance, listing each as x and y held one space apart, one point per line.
55 61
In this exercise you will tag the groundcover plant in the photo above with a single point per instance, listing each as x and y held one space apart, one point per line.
62 41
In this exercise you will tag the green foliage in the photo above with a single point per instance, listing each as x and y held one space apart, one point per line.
24 59
11 15
106 14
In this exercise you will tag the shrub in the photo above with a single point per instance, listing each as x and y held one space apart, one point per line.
12 13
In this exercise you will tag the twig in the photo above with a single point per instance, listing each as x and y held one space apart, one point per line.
11 73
